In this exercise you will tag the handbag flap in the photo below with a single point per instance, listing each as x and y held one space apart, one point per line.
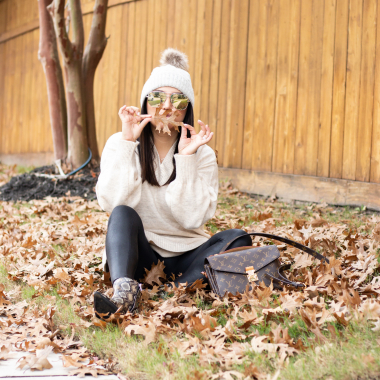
236 262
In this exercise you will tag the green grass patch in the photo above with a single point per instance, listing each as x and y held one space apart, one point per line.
355 355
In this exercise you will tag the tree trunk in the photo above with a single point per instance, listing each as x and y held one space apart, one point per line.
72 53
97 42
48 55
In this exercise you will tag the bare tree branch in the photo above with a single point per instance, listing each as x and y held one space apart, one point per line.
77 25
48 55
68 18
57 12
94 51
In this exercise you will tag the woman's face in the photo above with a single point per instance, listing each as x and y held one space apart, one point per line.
167 105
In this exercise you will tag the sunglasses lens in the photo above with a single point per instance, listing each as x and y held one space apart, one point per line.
156 98
179 101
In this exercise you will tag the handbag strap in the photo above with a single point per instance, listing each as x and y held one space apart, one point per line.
282 279
283 240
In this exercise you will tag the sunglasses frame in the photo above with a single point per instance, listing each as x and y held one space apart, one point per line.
167 95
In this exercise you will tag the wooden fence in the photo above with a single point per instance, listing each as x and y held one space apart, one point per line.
288 86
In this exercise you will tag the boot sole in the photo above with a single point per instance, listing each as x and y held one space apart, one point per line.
103 305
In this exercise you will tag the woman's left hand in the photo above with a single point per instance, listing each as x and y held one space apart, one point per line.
189 145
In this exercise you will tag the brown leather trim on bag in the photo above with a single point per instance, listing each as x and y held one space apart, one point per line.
283 240
237 249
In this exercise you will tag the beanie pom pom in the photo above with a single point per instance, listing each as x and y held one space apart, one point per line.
175 58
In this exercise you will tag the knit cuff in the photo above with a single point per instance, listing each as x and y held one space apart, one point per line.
186 166
125 148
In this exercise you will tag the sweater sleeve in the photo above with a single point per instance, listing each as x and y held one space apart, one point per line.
192 196
119 182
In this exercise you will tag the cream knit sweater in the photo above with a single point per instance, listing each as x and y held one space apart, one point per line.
172 215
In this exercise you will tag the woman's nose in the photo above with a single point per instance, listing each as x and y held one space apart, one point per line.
167 103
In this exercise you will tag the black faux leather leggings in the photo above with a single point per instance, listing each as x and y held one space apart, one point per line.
128 251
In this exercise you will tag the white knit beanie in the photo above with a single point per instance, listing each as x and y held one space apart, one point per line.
173 72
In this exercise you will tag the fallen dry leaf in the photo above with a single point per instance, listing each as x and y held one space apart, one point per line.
155 274
164 120
37 362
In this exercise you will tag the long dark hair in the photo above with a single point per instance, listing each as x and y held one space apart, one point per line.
146 148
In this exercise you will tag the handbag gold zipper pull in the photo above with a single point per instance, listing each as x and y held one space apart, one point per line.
252 275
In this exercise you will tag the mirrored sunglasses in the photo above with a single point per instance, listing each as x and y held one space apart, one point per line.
179 101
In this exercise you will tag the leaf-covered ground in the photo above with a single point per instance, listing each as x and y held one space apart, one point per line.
50 256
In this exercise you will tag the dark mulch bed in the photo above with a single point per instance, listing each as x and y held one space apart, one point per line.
28 186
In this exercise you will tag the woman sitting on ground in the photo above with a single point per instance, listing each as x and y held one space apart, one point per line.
160 189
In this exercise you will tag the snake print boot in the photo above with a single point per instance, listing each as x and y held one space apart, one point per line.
126 295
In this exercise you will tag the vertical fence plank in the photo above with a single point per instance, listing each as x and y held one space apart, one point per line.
124 53
129 75
137 51
21 131
177 27
191 36
163 25
29 61
183 26
170 9
339 89
286 93
3 28
150 38
223 78
250 95
326 89
38 138
231 82
309 87
352 89
13 16
214 71
260 89
3 16
142 48
112 124
197 84
375 153
206 63
15 83
265 85
237 72
28 67
11 94
159 30
9 63
35 88
2 95
367 74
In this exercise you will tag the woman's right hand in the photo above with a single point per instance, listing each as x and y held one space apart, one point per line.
133 122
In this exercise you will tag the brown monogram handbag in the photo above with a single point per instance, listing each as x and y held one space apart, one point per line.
231 271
